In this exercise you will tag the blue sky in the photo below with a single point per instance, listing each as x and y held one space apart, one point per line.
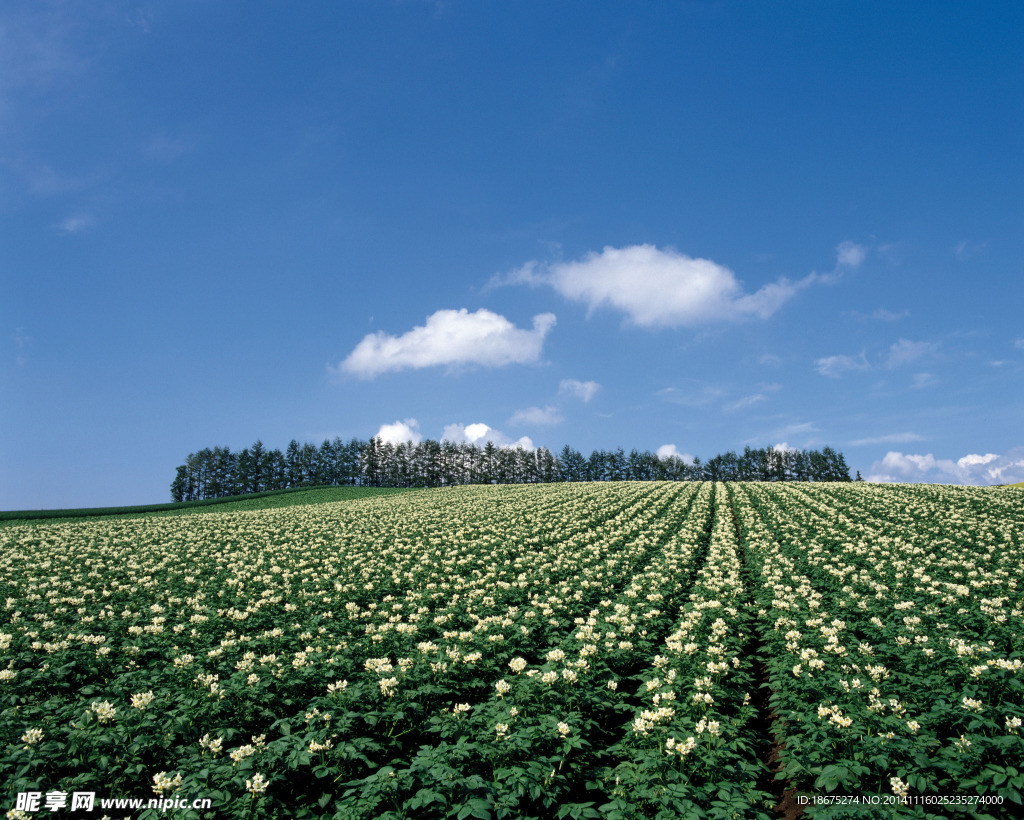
690 226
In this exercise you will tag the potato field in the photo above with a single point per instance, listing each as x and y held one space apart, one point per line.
583 650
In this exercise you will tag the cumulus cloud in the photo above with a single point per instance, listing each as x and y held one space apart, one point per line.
671 451
450 337
537 415
584 391
973 468
400 432
658 288
480 433
835 366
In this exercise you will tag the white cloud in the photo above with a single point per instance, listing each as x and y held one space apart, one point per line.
670 451
834 366
754 398
694 393
536 415
884 315
922 380
973 468
75 224
480 433
400 432
965 250
658 288
21 343
1019 343
850 254
890 438
803 431
746 401
584 391
450 337
905 351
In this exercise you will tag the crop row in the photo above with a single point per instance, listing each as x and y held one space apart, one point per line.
894 660
583 650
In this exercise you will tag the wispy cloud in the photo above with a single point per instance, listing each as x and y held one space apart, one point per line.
75 224
800 429
536 415
923 380
889 438
850 254
584 391
905 351
21 343
450 337
965 250
884 315
693 393
754 398
835 366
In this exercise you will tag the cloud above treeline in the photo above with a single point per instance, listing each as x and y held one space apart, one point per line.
453 338
973 468
403 432
657 287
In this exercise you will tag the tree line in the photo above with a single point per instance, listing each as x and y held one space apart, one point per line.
218 472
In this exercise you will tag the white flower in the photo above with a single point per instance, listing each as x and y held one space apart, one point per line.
899 788
242 752
32 737
163 783
104 710
256 785
563 729
142 700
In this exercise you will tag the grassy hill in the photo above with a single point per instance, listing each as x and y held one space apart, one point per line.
255 501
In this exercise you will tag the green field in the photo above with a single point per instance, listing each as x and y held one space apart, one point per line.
252 501
605 650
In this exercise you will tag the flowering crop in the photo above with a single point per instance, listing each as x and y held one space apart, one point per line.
891 619
584 650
